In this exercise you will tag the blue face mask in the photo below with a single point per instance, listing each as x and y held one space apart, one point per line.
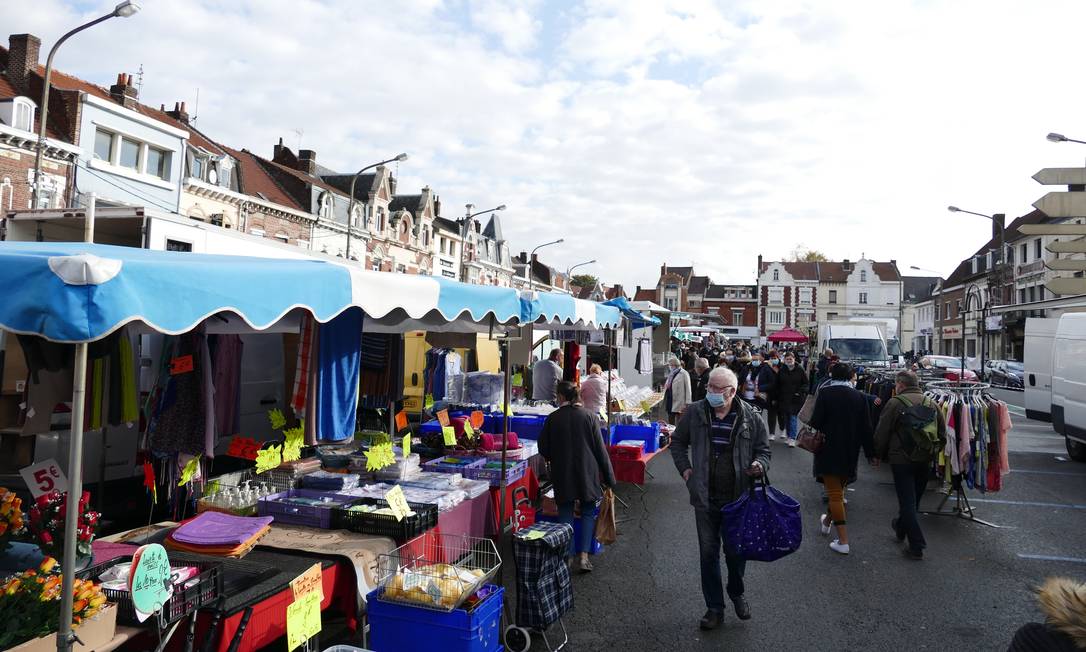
755 363
729 358
714 399
774 362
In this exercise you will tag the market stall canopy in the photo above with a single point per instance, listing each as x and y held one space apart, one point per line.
77 292
637 320
788 335
554 311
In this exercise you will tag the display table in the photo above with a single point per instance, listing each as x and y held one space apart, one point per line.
472 518
634 470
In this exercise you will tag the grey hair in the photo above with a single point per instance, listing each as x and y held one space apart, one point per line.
907 379
701 363
727 374
672 358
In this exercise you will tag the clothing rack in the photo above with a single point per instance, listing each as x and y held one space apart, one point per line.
962 508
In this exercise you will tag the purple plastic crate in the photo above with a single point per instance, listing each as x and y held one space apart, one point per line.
514 470
303 507
463 465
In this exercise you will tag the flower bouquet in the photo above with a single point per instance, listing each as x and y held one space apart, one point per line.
11 516
29 603
47 523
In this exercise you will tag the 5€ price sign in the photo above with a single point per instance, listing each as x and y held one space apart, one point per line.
43 477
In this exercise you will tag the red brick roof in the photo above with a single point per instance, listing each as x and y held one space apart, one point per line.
254 179
647 294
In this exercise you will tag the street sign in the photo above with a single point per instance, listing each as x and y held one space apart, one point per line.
1067 265
1065 286
1061 176
1068 247
1062 204
1054 229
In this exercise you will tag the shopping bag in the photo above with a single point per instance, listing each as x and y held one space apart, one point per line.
810 439
807 411
606 528
764 524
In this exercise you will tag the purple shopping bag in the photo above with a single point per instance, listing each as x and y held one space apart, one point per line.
764 524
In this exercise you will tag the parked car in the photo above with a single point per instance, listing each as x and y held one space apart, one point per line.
1005 373
951 368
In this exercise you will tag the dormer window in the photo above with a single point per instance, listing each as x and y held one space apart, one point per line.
776 275
18 112
327 206
357 214
863 276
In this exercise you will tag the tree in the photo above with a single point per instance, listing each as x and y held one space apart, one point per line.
802 254
584 280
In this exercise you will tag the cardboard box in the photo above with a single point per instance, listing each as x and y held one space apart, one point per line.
96 633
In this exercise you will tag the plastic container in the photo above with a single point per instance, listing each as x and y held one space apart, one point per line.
490 470
346 648
385 525
396 627
527 426
312 515
648 434
197 592
628 451
454 464
596 547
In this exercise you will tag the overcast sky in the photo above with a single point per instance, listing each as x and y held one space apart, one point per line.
641 131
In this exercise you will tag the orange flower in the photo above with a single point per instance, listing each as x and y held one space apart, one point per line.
47 564
79 605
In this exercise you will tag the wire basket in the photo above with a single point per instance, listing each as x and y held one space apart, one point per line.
437 572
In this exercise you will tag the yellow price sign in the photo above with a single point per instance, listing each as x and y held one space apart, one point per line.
428 402
292 447
397 502
269 458
277 419
469 432
192 467
379 456
407 446
450 435
303 619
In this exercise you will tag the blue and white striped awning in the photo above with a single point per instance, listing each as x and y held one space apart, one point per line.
76 292
550 310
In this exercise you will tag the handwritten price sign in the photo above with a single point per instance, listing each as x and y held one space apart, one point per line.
397 503
308 582
43 477
303 620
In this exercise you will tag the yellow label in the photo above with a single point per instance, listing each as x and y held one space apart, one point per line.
406 446
450 435
429 402
303 620
269 458
277 419
518 380
190 470
379 456
308 582
292 448
469 432
397 502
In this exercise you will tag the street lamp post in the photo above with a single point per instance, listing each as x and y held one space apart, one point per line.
531 257
938 307
970 292
399 158
1060 138
468 217
569 270
122 10
1001 277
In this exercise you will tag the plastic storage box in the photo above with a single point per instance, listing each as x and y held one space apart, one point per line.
491 471
385 525
303 507
648 434
398 627
454 464
202 590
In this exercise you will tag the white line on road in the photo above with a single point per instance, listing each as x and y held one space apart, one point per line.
1025 503
1074 560
1080 475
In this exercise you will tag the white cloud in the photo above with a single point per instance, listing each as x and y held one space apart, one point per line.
642 132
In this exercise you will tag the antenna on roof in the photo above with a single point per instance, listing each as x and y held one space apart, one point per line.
196 109
139 82
299 132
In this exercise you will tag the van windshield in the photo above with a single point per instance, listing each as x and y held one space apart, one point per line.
858 349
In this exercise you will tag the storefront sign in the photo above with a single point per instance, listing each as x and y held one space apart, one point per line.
43 477
952 331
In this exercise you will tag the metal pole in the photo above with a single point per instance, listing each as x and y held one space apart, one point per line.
508 389
610 368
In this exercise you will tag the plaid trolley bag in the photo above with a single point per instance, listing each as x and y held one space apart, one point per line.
544 589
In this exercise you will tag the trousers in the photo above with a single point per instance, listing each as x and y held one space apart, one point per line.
710 545
910 480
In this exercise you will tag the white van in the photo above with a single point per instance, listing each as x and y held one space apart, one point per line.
1069 383
854 342
1040 334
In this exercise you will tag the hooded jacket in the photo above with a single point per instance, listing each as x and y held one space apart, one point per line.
1063 602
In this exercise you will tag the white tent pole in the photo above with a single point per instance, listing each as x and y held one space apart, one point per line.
65 635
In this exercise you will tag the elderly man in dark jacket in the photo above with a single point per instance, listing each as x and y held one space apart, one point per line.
791 394
719 445
571 441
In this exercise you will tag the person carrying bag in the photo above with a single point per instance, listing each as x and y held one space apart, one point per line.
764 524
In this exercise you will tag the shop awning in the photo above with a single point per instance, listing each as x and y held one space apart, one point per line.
788 335
637 320
76 292
551 310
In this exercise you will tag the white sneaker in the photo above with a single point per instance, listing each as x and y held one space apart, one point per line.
773 438
822 524
791 443
837 546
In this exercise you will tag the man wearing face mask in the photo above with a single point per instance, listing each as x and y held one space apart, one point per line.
677 390
719 447
758 381
791 393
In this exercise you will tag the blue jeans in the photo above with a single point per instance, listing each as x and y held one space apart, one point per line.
710 543
793 426
582 540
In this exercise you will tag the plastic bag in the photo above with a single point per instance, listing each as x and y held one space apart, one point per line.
606 527
764 524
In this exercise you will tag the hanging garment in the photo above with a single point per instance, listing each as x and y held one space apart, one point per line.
130 412
305 361
226 352
208 380
312 414
340 357
572 360
644 357
177 423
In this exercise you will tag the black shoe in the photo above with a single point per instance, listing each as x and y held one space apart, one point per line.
742 608
712 619
897 531
915 555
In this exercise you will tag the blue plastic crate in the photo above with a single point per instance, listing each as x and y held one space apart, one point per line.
396 627
648 434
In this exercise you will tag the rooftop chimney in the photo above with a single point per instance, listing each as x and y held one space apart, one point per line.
307 161
179 113
282 155
124 92
999 222
663 269
437 206
23 50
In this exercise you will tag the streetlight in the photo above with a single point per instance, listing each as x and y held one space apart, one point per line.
531 257
123 10
468 216
1060 138
399 158
569 270
938 305
1001 220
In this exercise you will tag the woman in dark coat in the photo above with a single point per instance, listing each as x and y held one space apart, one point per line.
571 441
842 414
791 394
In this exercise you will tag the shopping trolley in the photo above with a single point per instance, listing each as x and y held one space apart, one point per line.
544 589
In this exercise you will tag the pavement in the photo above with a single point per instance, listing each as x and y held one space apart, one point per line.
971 592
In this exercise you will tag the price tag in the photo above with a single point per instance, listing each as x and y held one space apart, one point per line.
532 535
469 432
149 581
397 502
476 419
181 365
303 620
277 419
443 418
429 402
518 380
411 579
406 446
401 420
450 435
244 447
292 447
269 458
379 456
308 582
190 472
43 477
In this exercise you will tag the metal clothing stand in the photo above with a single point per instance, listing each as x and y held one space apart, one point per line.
962 507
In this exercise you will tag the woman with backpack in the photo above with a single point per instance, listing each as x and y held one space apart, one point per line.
911 432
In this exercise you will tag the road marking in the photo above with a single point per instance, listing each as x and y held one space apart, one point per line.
1080 475
1014 409
1074 560
1025 503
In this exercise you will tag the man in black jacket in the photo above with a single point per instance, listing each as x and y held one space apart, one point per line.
791 393
719 446
699 379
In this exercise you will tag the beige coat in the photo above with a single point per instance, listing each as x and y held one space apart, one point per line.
681 395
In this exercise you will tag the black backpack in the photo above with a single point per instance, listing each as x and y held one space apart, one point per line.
918 429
